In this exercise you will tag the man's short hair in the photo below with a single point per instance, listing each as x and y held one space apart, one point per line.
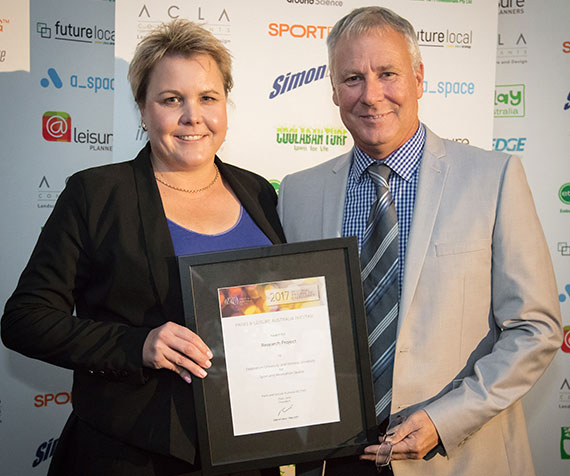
364 19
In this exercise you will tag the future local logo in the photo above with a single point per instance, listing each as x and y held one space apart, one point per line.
510 100
441 39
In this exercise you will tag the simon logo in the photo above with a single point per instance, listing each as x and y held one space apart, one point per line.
45 451
285 83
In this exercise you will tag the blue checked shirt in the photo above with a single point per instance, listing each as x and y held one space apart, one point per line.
360 191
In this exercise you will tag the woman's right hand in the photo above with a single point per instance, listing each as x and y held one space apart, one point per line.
175 347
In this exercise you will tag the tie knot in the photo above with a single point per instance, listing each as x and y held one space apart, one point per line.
379 173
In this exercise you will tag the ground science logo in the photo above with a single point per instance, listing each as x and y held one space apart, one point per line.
287 82
311 139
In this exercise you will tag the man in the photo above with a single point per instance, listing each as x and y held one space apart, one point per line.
478 319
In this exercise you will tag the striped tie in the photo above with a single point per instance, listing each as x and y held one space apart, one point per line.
379 260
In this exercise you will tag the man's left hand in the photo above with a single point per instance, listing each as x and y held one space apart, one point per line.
412 439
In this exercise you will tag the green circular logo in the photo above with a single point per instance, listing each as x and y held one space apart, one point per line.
564 193
276 184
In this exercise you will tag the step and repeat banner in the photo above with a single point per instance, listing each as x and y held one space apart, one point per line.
496 76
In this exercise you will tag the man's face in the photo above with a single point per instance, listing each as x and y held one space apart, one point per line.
377 90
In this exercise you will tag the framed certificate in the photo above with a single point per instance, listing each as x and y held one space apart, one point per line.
290 379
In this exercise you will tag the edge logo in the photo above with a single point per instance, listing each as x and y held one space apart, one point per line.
512 144
285 83
45 451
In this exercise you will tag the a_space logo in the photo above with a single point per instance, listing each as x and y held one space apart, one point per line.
56 126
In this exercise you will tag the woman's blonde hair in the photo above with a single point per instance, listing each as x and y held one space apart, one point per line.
176 38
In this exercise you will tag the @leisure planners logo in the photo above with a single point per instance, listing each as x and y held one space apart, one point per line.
56 126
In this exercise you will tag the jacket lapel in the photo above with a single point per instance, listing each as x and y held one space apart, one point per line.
334 195
159 249
433 173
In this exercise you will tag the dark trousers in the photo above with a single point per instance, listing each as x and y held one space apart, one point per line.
84 451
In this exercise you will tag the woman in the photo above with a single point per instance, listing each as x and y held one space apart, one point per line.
108 250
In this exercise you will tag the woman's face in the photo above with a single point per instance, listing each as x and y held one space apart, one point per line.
185 111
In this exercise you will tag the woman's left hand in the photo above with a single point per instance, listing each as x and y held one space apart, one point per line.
175 347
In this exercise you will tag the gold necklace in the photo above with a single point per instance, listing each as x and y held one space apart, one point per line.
197 190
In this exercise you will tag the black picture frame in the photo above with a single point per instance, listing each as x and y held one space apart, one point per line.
337 260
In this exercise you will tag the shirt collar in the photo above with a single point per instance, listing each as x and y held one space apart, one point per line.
404 160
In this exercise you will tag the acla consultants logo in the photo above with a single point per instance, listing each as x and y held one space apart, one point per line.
56 127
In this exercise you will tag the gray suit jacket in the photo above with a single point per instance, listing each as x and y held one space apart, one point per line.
479 317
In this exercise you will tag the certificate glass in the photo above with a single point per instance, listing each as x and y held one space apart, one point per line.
290 378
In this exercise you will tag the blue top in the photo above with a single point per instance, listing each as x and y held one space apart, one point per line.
244 234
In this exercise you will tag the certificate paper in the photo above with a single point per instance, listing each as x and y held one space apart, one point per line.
279 356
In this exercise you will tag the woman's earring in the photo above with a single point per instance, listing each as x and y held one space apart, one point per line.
144 126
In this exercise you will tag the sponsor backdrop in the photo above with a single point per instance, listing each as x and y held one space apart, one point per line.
496 77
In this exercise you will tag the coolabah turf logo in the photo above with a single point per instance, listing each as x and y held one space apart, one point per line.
91 34
312 139
512 48
287 82
445 39
56 126
510 100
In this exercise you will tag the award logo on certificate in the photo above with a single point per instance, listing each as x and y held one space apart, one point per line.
279 357
290 379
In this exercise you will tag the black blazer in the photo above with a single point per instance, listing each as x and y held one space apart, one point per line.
106 251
